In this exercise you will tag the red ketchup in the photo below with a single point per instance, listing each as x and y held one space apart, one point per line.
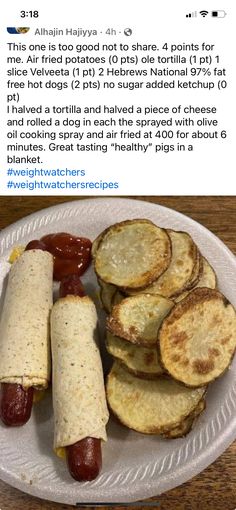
71 285
72 255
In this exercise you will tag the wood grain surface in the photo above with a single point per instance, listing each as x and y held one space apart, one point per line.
215 487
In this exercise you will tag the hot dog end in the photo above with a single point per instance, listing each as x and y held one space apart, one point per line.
24 327
79 401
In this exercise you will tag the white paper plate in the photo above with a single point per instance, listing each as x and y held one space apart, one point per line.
135 466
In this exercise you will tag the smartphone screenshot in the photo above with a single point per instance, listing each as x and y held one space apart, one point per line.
117 255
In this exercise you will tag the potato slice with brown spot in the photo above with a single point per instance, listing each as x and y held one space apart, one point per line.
198 338
132 253
150 407
138 318
141 361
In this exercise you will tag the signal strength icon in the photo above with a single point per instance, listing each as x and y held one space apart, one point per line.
191 14
204 13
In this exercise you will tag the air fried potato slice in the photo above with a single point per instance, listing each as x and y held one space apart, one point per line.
186 425
97 241
138 318
207 279
198 338
132 253
140 361
150 407
183 270
109 295
107 292
117 298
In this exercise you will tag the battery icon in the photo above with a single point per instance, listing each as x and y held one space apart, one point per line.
218 14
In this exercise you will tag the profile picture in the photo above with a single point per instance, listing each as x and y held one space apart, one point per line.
18 30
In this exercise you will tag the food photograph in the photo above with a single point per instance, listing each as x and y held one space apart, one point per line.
117 352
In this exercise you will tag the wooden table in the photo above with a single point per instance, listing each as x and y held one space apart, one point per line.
214 488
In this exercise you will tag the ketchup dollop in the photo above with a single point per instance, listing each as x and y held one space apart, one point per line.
71 285
72 255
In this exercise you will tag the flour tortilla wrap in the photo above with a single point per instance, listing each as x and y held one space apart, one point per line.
24 327
79 399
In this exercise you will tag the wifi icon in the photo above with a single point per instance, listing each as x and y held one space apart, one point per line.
204 13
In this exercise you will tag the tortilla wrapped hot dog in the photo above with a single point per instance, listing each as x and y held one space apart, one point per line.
24 327
79 401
